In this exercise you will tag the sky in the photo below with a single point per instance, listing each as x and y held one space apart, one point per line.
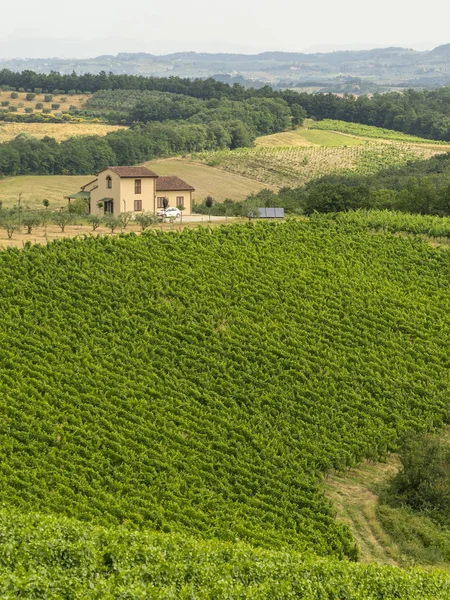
92 27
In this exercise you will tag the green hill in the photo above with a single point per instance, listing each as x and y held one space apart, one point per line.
46 557
200 383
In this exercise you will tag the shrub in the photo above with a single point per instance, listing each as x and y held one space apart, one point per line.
5 102
14 95
28 110
72 92
38 90
48 98
39 105
46 111
12 109
30 96
55 106
423 483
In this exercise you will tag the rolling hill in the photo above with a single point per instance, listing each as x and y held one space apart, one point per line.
172 401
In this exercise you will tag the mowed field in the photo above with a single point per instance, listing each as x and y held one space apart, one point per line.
206 180
304 137
59 131
36 188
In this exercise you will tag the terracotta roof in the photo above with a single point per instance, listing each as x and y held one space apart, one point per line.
132 171
86 184
169 183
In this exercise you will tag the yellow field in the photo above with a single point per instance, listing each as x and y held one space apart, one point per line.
36 188
208 180
59 131
64 100
308 137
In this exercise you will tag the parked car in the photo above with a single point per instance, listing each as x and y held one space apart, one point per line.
171 211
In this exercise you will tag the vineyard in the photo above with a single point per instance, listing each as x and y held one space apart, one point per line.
63 558
368 131
294 166
201 382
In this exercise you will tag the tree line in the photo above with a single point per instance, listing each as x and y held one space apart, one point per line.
228 124
424 113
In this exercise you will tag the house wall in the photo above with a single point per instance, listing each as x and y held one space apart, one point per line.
122 193
172 197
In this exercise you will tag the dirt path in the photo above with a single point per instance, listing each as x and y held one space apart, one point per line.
354 496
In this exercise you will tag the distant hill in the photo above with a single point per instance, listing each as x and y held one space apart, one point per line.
356 71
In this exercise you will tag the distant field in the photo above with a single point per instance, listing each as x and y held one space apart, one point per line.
307 137
21 103
36 188
208 180
59 131
367 131
284 166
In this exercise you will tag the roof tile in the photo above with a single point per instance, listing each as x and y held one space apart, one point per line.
171 183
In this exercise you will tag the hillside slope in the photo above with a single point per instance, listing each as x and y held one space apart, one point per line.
46 557
201 382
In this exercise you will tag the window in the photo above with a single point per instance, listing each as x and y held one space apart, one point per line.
109 182
160 202
137 186
137 205
180 201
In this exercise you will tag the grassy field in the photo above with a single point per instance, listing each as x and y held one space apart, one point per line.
36 188
206 180
21 103
308 137
368 131
59 131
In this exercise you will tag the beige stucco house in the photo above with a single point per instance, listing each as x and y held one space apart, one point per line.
134 189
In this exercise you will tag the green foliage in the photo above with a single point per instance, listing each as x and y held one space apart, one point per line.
369 131
112 222
44 557
62 219
145 220
9 221
30 220
423 482
95 221
417 536
201 381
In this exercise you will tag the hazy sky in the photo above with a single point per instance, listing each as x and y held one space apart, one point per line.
92 27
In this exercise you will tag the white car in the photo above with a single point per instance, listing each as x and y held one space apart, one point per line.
171 211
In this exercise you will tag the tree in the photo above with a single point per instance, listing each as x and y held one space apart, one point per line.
111 222
146 219
124 219
31 220
95 221
61 219
423 482
209 201
9 222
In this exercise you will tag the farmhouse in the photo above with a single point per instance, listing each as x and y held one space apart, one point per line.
121 189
